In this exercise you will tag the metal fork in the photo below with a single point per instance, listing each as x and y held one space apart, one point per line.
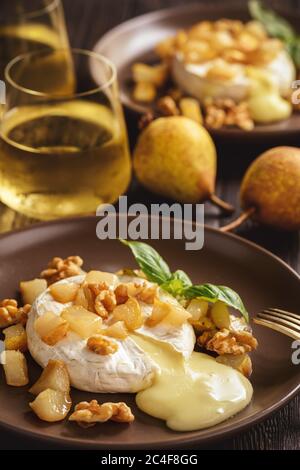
280 320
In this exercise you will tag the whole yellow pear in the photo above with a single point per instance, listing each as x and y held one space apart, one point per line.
176 157
271 186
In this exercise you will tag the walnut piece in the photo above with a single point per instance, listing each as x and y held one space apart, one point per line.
98 298
11 314
225 112
92 413
59 268
121 293
167 106
105 302
101 346
228 342
141 291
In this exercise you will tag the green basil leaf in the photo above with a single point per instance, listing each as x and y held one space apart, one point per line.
150 262
173 286
183 278
275 25
178 282
214 293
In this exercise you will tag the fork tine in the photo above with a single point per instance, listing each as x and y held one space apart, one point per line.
280 328
279 319
277 311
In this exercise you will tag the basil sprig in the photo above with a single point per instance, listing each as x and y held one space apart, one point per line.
178 283
150 262
277 27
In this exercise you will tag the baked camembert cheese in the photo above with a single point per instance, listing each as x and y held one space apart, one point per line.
119 333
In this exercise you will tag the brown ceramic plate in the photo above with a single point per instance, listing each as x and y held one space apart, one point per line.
134 41
261 279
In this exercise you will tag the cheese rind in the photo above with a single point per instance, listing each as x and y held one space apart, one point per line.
129 369
191 78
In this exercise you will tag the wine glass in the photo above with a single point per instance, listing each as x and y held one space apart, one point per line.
63 140
29 26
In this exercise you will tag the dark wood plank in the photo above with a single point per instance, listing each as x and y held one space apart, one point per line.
86 22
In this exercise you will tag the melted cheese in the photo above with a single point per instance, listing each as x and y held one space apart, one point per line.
191 393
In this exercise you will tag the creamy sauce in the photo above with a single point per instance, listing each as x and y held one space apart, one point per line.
265 103
191 394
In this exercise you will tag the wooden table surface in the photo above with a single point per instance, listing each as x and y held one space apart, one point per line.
87 20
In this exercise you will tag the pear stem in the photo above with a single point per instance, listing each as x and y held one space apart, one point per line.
225 206
239 221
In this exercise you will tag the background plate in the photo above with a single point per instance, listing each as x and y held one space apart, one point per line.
261 279
134 41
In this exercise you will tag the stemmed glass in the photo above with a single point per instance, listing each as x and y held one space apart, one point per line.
29 26
63 141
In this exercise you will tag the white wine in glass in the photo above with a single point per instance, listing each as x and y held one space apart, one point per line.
29 26
62 154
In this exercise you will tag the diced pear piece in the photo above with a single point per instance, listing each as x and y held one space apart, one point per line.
15 368
30 290
97 277
81 321
168 313
154 74
15 338
220 315
177 316
81 298
130 313
54 376
203 324
241 362
160 310
197 308
117 330
145 92
51 328
64 292
51 405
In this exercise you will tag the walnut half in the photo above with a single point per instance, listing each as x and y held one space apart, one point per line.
59 268
92 412
102 346
10 313
228 342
